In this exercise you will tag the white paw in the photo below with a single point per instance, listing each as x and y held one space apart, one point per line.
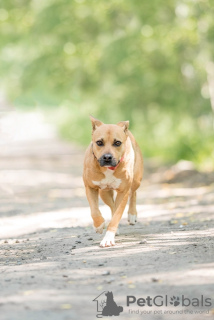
132 218
100 228
108 240
117 232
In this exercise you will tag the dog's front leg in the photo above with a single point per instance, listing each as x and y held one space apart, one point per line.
120 203
92 196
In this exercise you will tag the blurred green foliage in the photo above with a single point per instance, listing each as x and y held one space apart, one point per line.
143 61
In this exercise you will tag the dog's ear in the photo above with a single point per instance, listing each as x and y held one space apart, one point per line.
124 125
95 123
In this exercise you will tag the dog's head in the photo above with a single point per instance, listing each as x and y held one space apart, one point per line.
109 141
109 294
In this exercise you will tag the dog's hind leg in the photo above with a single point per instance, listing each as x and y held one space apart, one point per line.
138 174
108 198
132 212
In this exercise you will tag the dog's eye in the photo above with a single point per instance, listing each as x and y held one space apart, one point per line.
100 143
117 143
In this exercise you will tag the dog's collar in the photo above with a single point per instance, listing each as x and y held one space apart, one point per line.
111 168
114 168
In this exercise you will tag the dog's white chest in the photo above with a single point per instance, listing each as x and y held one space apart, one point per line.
109 182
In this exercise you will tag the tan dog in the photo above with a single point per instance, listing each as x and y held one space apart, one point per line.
113 161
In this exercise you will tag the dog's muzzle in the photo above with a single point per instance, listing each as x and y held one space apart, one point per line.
107 160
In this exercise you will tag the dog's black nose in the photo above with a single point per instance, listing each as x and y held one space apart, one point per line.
107 157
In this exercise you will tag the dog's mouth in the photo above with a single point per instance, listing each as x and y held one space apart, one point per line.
108 163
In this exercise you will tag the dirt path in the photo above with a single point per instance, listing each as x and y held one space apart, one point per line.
51 266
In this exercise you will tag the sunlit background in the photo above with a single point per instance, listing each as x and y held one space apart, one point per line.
147 61
150 62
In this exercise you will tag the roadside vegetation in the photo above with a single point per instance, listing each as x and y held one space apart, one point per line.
147 62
